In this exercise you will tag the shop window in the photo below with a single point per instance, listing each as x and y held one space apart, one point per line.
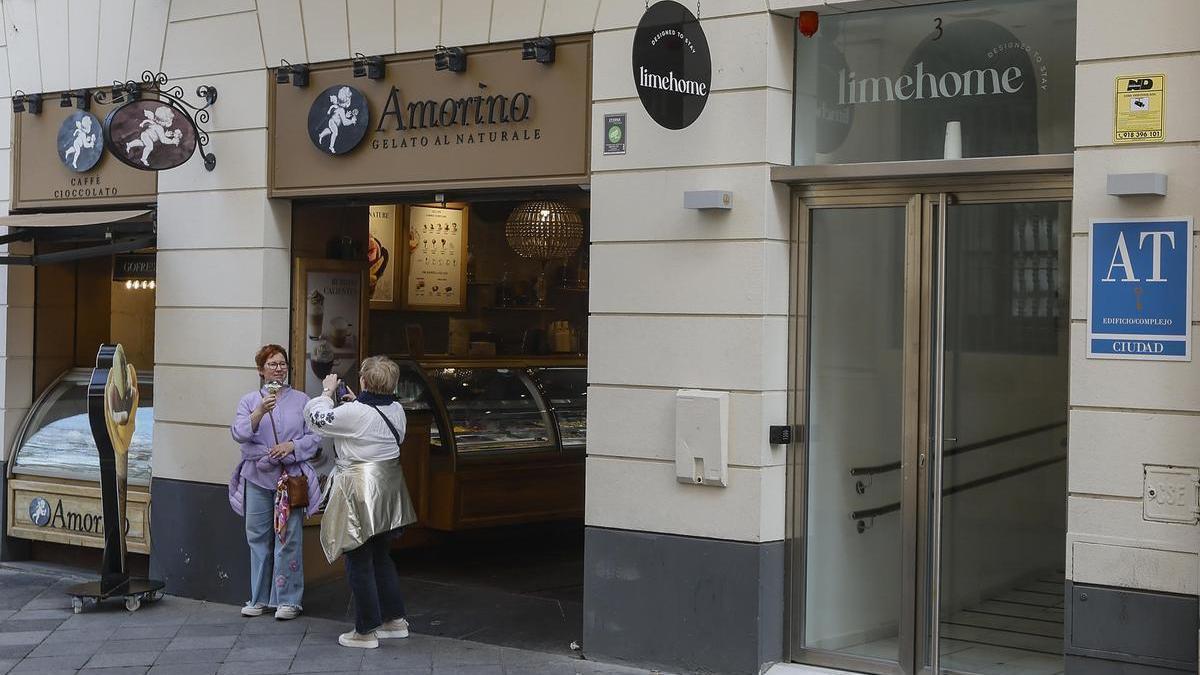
979 78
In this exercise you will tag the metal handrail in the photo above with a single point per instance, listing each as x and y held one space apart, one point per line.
870 514
958 450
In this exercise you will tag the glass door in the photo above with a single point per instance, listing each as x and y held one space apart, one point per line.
996 504
862 384
929 489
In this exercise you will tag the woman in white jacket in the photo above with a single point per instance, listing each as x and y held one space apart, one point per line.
368 499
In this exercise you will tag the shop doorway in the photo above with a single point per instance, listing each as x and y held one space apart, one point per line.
486 316
929 517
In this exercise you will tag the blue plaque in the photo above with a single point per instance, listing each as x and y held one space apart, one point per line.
1140 304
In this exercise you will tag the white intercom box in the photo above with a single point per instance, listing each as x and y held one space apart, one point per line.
702 437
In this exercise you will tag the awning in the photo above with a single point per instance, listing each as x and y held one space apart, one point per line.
96 234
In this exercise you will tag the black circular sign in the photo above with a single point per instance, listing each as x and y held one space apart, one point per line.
39 511
672 68
150 135
338 119
80 141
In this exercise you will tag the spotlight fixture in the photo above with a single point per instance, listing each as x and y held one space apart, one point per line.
80 99
127 90
539 49
453 59
298 73
370 67
22 102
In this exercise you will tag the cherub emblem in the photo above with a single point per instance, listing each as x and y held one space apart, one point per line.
83 137
340 114
157 129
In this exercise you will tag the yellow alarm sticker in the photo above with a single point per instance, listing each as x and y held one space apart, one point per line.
1140 100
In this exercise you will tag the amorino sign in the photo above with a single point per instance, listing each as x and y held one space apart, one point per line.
504 122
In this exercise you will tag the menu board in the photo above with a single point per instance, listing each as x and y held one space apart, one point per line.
329 321
437 248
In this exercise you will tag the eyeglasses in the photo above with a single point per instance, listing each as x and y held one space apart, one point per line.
278 365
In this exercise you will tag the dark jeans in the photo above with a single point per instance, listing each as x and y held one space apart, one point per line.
374 583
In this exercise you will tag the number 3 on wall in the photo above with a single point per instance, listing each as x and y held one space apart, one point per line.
937 25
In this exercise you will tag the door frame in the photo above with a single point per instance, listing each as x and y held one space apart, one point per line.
924 198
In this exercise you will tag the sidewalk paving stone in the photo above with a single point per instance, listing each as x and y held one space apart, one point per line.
178 636
145 632
264 667
117 659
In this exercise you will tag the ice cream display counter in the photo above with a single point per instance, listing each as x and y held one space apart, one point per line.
507 439
54 476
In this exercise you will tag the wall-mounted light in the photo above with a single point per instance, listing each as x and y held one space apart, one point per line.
539 49
453 59
297 73
370 67
31 102
122 90
81 99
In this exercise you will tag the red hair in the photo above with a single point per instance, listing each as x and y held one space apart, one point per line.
266 352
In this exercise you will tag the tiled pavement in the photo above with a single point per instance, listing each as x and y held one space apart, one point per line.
177 636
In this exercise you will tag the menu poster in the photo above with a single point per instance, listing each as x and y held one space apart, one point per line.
383 266
329 321
437 255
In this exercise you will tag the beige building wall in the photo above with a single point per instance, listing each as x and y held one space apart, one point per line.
1126 414
690 299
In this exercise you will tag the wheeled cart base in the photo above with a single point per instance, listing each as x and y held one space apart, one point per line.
135 592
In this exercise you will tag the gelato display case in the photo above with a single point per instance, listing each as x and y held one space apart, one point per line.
54 471
506 439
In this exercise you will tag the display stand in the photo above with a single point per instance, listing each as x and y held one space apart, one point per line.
112 407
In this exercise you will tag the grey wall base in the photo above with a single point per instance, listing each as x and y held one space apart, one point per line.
10 548
1119 631
198 543
683 604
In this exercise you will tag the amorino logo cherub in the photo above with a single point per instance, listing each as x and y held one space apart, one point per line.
158 127
338 119
78 145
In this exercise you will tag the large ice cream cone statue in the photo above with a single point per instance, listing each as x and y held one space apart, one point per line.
120 413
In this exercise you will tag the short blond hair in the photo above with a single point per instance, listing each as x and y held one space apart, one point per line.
379 374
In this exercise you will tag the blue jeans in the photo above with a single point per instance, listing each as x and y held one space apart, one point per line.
276 570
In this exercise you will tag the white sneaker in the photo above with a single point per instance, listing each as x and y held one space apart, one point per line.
353 639
253 610
396 628
285 612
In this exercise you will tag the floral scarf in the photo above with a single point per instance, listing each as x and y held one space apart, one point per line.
283 506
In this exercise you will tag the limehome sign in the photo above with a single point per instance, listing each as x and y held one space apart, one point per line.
672 67
921 84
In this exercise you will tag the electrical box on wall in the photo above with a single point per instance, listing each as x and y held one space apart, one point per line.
1171 494
702 437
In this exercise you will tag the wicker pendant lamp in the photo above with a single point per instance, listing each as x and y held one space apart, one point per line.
544 230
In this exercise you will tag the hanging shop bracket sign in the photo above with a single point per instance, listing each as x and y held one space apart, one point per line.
159 132
1140 100
1140 300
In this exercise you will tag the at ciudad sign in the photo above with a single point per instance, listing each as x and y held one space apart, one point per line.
672 67
150 135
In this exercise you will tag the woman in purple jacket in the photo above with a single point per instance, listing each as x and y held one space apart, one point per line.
270 428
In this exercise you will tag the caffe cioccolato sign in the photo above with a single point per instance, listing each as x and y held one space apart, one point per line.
59 162
503 122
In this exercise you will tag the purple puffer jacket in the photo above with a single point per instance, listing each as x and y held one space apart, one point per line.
255 466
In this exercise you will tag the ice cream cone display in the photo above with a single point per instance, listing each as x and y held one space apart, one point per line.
120 409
